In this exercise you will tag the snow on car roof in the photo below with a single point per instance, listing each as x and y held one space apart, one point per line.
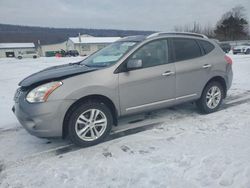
94 40
16 45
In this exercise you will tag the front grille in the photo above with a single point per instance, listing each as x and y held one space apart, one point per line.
17 94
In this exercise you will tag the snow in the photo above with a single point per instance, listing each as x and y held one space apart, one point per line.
94 40
175 147
16 45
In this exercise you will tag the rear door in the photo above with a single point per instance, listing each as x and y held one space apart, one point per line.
192 70
153 85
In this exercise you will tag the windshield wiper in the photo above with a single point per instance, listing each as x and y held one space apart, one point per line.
97 65
76 63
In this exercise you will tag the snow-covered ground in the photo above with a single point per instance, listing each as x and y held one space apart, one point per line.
175 147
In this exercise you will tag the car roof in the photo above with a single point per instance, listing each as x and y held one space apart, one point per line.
183 34
140 38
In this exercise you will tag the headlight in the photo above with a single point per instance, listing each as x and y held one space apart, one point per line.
42 92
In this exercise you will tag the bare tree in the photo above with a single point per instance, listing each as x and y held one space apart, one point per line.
208 30
196 27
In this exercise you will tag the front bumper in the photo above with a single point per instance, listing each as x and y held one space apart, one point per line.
41 119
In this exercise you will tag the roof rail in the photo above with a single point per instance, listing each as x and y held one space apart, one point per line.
177 33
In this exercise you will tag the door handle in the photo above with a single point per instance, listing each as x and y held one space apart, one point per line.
167 73
206 66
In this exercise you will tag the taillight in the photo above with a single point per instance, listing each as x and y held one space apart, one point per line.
228 60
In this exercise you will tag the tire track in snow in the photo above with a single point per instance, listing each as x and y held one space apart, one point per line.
237 96
71 147
4 131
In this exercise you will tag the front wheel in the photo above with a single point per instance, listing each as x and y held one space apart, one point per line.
211 98
89 124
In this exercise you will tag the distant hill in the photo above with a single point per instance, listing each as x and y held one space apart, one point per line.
47 35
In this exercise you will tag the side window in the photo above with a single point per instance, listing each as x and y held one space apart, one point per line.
207 46
152 54
185 49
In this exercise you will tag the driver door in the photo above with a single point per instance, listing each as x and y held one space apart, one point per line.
153 85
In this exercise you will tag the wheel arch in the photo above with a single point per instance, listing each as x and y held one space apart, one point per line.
221 80
100 98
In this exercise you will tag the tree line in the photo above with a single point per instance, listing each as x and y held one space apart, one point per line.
46 35
233 25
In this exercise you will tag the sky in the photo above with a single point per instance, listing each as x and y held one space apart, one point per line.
161 15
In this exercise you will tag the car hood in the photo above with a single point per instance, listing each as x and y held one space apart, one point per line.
55 73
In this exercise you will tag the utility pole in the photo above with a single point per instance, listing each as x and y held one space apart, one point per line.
80 43
39 48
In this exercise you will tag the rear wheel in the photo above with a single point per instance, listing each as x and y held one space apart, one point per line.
90 123
19 57
248 51
211 98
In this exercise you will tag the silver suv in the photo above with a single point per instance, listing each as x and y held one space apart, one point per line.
135 74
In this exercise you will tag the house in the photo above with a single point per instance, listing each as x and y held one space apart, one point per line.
13 49
87 45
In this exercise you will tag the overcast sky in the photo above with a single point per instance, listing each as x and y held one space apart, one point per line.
116 14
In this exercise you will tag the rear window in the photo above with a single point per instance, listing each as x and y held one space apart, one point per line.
207 46
186 49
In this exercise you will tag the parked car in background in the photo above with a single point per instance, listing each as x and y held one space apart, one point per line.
243 49
27 54
136 74
71 53
226 47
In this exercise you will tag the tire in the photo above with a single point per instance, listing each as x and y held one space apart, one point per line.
234 53
203 103
19 57
248 51
34 57
80 120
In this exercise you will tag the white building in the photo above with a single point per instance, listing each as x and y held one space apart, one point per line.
87 45
13 49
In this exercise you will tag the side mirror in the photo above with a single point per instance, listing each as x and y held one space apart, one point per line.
134 64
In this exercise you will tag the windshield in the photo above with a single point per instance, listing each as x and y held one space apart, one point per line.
108 55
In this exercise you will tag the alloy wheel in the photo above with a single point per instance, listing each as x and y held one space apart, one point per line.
91 125
213 97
